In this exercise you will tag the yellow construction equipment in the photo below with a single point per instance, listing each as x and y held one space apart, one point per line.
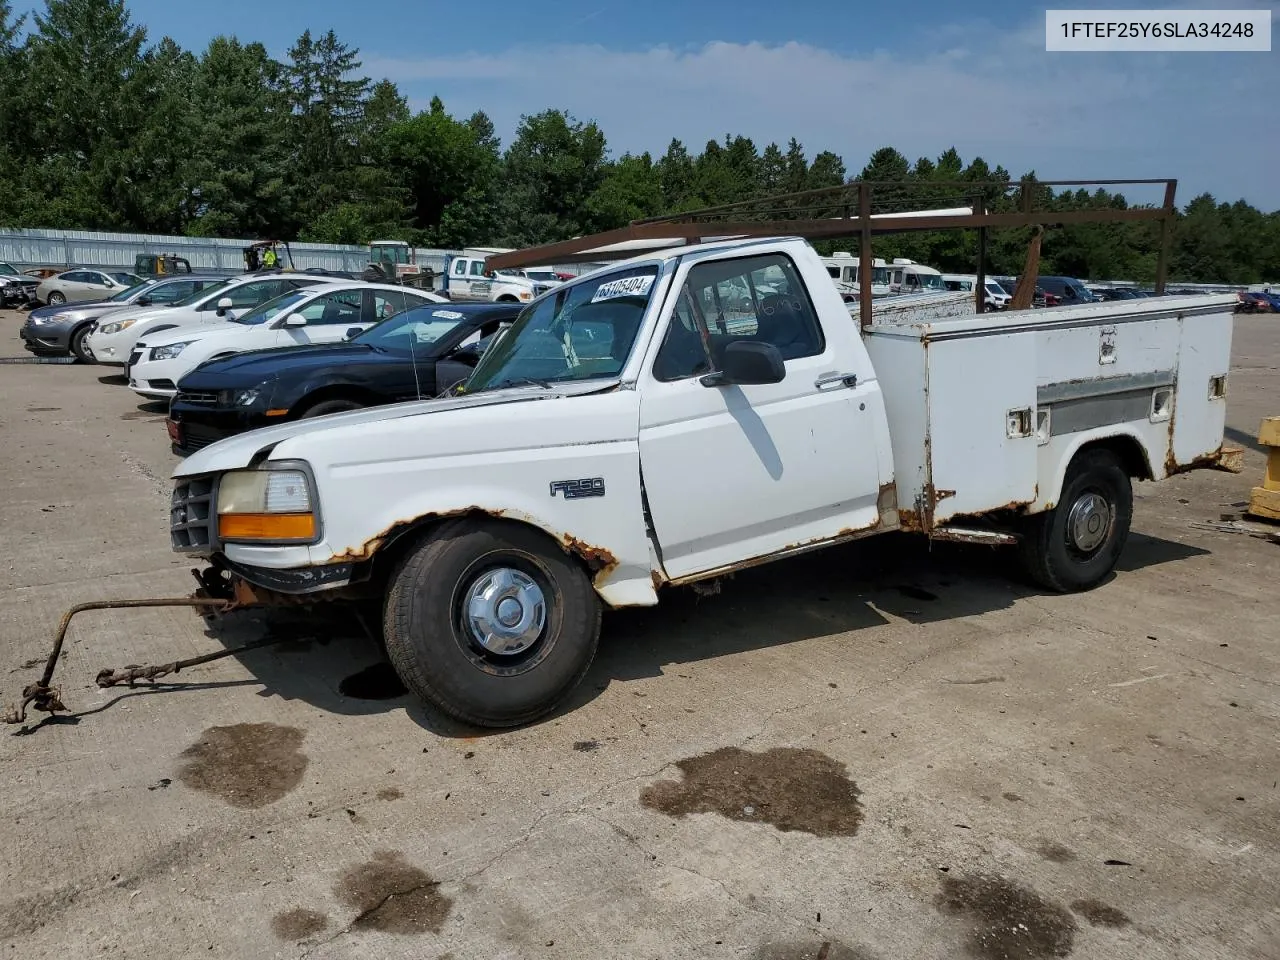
1265 501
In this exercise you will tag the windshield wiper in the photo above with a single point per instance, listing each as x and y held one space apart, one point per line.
522 382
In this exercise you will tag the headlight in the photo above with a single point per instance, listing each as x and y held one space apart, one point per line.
245 398
526 295
169 350
115 326
266 505
39 320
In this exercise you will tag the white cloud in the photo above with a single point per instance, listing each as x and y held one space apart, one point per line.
989 91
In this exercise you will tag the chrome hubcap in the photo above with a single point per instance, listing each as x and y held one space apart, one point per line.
505 611
1089 522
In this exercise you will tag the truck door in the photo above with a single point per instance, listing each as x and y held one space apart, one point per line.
736 472
459 286
480 284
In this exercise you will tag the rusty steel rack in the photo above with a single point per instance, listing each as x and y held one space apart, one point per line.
846 211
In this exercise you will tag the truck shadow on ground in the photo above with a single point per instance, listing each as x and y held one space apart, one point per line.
334 660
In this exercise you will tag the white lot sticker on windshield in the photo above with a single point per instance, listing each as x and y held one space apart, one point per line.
448 314
626 287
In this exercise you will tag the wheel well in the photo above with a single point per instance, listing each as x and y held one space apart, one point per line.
508 298
1127 450
335 392
402 539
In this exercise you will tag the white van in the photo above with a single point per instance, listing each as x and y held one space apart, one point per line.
997 296
842 267
907 276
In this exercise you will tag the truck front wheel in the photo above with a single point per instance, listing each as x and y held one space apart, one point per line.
1077 544
493 623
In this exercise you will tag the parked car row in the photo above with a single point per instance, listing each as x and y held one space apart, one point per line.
1259 301
233 354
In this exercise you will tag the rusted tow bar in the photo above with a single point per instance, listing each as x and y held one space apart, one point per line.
42 696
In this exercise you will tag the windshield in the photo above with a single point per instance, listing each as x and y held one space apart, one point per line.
930 281
582 331
8 268
414 330
200 295
993 287
130 292
265 311
128 279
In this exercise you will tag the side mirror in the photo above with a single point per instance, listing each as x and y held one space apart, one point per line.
224 305
748 362
296 320
353 332
144 301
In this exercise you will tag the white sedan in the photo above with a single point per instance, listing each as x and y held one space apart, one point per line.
113 339
326 314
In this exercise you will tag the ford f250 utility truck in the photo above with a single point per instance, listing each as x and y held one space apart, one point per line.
687 413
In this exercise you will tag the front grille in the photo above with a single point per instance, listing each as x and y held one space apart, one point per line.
134 358
191 516
203 397
196 442
160 384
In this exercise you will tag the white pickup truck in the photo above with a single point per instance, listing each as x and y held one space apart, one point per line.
666 420
468 278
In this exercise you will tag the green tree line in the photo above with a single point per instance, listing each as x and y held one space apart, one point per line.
102 129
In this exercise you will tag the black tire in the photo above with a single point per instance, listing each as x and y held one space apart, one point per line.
56 297
329 406
78 348
440 658
1058 546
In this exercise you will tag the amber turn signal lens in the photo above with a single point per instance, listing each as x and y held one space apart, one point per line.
267 526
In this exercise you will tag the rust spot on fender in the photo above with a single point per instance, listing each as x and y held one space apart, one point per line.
1230 459
371 546
599 560
656 579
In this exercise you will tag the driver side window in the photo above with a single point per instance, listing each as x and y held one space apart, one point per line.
759 299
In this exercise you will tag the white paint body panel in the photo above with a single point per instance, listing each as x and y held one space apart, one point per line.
736 475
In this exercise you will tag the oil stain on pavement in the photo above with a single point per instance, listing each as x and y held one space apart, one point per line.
1100 914
393 896
826 950
787 787
298 924
1010 921
247 764
377 682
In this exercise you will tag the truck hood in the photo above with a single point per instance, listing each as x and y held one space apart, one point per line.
253 366
236 452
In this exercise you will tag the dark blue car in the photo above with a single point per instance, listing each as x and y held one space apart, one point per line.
413 355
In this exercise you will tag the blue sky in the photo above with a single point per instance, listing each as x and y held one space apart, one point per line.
844 76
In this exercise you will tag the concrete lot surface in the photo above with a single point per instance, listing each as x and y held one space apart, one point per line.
874 752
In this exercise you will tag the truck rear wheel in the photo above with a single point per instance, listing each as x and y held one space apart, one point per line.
1076 545
493 623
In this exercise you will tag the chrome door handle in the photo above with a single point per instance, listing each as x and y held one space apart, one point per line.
845 379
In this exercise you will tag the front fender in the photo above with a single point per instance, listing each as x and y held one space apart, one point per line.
610 542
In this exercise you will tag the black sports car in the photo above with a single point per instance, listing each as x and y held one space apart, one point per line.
413 355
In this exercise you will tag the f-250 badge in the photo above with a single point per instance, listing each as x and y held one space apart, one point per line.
577 489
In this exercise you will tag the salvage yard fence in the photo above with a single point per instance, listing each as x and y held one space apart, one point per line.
98 250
